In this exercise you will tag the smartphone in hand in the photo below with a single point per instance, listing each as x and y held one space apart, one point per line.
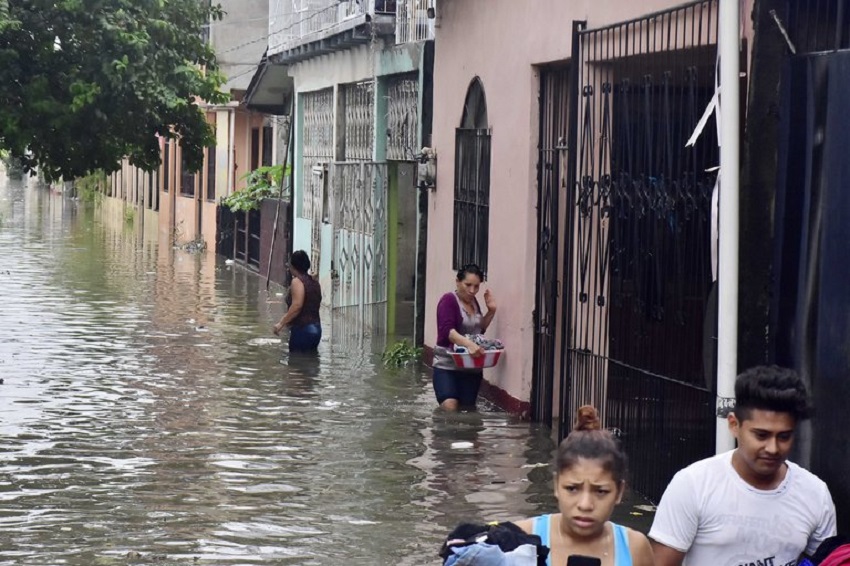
579 560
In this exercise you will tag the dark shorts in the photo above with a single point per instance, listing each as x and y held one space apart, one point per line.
460 385
305 338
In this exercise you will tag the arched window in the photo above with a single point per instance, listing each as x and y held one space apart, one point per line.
474 107
472 181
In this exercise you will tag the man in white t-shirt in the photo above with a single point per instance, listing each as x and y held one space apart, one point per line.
750 506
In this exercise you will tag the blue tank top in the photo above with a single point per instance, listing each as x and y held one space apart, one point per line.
622 554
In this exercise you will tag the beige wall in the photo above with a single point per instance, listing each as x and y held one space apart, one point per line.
229 177
245 121
502 42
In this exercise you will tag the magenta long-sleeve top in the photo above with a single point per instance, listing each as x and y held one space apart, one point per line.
449 318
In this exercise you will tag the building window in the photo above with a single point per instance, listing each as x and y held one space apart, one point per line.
268 143
472 182
211 173
187 178
166 165
154 183
255 148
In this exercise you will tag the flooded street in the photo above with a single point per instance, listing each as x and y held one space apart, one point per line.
144 409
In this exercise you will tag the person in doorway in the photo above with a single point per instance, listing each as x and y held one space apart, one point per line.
749 505
459 315
590 479
303 302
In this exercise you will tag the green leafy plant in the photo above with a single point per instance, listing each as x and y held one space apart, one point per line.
401 354
90 189
14 168
129 215
263 182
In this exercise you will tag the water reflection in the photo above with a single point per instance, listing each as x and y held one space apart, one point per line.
147 409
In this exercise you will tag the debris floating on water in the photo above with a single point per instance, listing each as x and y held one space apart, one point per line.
263 341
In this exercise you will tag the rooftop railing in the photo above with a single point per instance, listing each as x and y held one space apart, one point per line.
412 23
294 22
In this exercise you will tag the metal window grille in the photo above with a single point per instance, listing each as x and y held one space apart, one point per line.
318 128
472 197
318 131
359 100
403 117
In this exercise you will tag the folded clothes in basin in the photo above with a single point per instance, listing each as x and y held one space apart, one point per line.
481 340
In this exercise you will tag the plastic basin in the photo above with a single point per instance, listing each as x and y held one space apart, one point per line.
467 361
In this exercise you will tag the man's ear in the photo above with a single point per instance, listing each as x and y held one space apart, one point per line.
734 424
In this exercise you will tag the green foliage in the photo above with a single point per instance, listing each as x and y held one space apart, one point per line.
85 83
6 22
14 169
90 189
263 182
401 354
129 214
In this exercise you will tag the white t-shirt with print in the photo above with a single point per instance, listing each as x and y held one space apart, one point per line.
709 512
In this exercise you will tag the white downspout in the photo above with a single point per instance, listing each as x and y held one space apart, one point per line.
231 153
727 324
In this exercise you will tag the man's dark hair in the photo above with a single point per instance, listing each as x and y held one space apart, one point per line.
771 388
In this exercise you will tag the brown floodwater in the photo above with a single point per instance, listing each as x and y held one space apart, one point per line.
147 415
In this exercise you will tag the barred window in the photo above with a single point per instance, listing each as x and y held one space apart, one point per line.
268 145
211 173
166 166
472 182
187 178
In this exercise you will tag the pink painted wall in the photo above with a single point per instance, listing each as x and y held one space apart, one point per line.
245 121
501 42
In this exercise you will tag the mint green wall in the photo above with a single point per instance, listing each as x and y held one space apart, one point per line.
399 59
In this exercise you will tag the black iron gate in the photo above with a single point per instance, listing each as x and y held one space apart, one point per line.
637 245
551 181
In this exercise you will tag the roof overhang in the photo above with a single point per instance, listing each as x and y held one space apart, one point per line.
271 89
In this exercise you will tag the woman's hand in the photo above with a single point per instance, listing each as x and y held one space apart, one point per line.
475 350
489 301
277 328
491 310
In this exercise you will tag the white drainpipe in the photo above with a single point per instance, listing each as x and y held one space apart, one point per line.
727 326
231 150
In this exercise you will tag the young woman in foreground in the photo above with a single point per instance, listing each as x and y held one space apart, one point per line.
590 479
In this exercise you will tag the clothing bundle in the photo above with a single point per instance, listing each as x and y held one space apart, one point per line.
482 341
834 551
495 544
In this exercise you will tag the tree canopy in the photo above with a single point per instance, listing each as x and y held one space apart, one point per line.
86 83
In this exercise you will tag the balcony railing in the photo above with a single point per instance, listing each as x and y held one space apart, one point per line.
412 23
294 22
